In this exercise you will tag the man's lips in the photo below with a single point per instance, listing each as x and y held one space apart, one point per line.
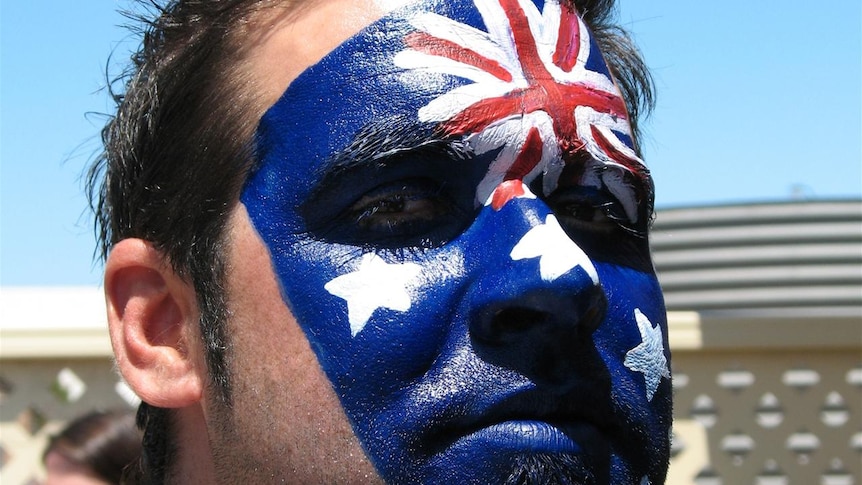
576 450
536 436
533 421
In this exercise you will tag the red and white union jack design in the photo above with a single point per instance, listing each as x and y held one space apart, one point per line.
531 97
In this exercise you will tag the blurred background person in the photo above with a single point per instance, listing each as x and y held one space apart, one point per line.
93 449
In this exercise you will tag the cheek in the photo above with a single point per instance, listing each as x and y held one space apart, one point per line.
633 342
262 325
275 374
376 319
628 290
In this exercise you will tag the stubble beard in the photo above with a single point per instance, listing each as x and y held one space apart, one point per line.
549 469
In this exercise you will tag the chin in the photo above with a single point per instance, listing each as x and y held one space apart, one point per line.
500 464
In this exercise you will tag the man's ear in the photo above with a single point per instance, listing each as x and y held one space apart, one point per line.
153 321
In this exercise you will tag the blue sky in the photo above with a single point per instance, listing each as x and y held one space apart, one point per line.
758 101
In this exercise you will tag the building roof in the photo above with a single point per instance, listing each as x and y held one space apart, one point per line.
766 259
48 321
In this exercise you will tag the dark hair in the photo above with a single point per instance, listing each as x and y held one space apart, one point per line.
104 442
179 147
175 152
174 159
623 57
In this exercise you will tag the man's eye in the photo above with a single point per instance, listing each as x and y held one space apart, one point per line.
585 210
405 213
392 208
597 223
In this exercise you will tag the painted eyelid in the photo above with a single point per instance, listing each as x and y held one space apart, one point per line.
427 169
626 187
332 175
413 184
606 214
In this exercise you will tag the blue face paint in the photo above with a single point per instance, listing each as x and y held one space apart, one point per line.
472 273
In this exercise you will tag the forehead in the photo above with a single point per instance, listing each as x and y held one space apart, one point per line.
462 68
284 40
357 82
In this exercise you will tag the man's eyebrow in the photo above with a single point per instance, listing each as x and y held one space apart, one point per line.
384 140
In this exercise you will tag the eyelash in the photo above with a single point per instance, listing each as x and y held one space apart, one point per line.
565 201
413 213
391 201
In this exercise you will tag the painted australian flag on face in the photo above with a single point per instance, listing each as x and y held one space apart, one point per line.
518 94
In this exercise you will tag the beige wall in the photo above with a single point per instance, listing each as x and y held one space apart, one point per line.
767 401
792 414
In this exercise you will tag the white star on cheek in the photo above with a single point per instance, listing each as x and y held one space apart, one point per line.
648 357
557 253
375 284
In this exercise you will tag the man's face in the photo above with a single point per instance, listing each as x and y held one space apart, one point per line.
457 221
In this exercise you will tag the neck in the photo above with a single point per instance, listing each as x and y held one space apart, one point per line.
193 461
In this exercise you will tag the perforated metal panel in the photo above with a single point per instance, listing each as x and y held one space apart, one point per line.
772 417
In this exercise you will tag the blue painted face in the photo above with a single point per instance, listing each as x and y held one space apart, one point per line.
458 221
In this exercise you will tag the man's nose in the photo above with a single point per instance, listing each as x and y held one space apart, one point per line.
543 334
537 326
540 318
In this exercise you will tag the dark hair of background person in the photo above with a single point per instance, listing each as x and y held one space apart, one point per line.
104 442
179 148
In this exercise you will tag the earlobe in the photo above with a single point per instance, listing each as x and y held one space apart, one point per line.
152 317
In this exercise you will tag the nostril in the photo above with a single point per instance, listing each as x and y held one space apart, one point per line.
541 317
511 325
516 320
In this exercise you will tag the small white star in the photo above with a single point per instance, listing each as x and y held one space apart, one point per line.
645 480
557 253
375 284
648 357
